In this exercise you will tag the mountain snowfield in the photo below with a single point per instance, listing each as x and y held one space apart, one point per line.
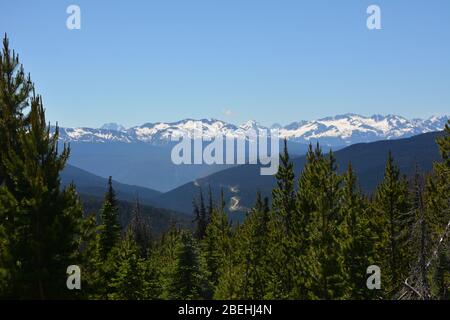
333 131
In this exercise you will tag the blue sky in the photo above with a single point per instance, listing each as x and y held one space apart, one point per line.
273 61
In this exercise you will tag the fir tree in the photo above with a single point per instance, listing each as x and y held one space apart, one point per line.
326 231
164 258
15 91
392 205
128 281
253 241
110 228
217 244
201 216
438 207
282 266
43 221
141 230
188 279
283 196
359 237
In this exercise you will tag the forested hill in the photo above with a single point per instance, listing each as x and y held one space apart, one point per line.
368 159
91 184
160 219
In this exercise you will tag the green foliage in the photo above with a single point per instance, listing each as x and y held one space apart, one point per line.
131 279
188 280
141 231
217 245
202 216
247 271
110 228
359 240
41 222
393 211
315 241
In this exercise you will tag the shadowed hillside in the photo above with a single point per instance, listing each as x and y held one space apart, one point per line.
368 160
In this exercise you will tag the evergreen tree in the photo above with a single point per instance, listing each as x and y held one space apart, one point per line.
128 281
252 253
164 258
15 91
201 216
217 246
210 205
283 196
441 275
325 231
110 228
282 265
141 230
360 238
393 208
42 221
188 279
438 207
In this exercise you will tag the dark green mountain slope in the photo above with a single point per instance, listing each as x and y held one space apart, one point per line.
160 219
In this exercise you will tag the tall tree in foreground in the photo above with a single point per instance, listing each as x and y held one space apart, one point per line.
438 203
41 221
281 267
360 238
324 228
15 91
392 205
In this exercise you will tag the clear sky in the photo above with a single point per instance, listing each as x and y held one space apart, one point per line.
270 60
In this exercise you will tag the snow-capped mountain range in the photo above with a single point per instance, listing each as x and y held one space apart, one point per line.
333 131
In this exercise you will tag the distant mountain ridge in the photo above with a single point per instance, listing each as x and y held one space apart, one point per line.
241 183
340 130
93 185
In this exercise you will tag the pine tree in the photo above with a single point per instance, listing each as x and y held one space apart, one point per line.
283 196
128 281
164 258
393 208
438 207
326 230
252 248
282 265
141 230
201 216
15 91
188 279
441 275
110 228
360 237
217 245
43 222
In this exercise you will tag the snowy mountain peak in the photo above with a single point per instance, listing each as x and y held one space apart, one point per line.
338 130
250 124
